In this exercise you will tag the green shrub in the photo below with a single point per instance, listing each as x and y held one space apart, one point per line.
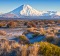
47 49
23 39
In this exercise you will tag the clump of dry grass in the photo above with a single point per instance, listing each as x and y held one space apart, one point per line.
8 48
24 50
2 32
34 50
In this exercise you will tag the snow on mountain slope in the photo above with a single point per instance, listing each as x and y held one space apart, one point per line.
26 10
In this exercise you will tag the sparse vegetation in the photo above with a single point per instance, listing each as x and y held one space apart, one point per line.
9 48
2 32
48 28
23 39
11 24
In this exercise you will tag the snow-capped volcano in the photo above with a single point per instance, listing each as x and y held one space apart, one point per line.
27 11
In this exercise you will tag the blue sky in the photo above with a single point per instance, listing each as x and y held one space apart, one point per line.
41 5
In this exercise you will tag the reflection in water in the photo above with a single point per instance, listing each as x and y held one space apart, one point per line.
35 39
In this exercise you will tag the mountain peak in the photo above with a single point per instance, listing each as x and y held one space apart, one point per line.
25 6
26 10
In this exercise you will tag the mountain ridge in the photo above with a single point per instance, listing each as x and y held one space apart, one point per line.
27 11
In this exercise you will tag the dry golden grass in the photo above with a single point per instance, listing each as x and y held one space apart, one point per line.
36 49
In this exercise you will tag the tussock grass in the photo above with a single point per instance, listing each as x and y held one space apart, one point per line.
11 48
